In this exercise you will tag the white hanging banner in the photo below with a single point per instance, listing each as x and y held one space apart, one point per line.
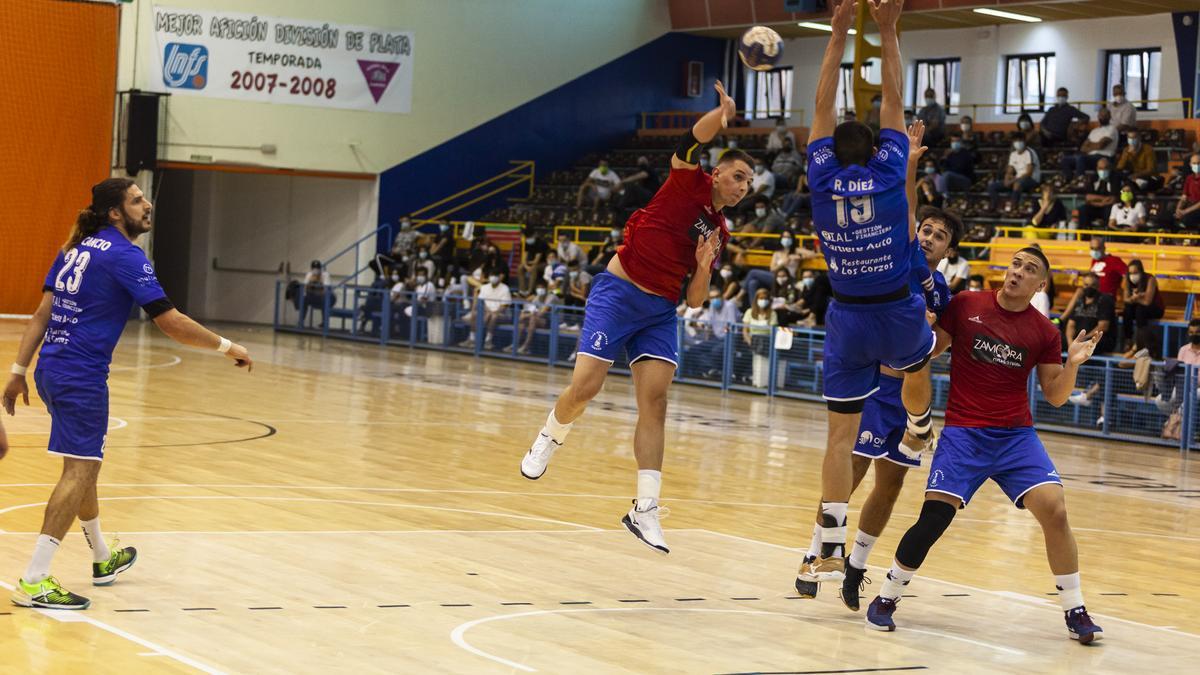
272 60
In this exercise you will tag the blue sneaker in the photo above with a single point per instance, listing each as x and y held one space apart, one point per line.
1080 626
879 614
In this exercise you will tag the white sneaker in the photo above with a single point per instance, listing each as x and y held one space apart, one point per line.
644 525
1080 398
534 463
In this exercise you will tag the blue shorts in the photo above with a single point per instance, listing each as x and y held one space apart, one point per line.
860 337
619 314
78 410
883 423
1014 457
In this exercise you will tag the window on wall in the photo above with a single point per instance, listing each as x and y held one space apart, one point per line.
1027 78
1137 70
940 75
768 93
845 93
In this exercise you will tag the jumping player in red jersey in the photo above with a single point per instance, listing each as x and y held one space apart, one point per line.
997 339
632 305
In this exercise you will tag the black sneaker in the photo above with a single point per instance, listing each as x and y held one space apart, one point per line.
105 573
1080 626
854 582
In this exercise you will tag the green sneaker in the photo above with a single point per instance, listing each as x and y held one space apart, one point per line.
105 573
47 594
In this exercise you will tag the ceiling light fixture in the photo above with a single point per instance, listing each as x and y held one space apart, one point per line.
825 27
1007 15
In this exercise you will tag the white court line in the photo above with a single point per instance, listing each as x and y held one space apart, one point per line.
515 516
1008 595
457 636
79 616
175 360
315 532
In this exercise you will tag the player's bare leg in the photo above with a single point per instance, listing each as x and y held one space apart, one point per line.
107 561
1048 504
586 382
651 379
917 395
837 482
876 511
805 587
37 588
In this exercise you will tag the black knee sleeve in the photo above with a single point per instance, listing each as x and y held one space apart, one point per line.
846 407
935 518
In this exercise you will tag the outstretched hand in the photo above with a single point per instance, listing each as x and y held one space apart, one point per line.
1082 347
886 12
706 250
916 134
843 15
727 105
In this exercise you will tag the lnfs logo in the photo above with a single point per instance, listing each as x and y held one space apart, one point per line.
185 66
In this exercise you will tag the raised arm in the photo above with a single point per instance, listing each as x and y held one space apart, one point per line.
891 110
825 105
687 155
916 133
1058 381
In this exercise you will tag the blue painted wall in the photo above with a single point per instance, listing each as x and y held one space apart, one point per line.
587 114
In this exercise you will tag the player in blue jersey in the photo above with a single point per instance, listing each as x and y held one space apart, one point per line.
88 295
860 213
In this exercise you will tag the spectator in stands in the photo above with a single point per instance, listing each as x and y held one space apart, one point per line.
599 186
766 220
798 198
956 269
1137 163
1092 310
718 148
602 254
872 118
424 293
1189 352
784 291
406 239
536 250
1130 214
554 268
1098 203
444 247
1109 268
763 183
579 284
1124 113
423 263
708 332
779 137
1023 173
908 117
1062 123
1051 212
569 251
1187 211
931 187
727 282
756 332
1027 131
970 139
495 299
786 258
958 164
316 285
815 292
639 187
787 166
975 283
1143 302
534 314
1101 144
934 117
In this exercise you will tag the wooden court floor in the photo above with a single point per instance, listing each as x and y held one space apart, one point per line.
347 508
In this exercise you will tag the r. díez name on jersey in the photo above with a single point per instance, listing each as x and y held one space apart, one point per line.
865 185
990 350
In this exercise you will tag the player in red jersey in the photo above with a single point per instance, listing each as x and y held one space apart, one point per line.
997 339
632 305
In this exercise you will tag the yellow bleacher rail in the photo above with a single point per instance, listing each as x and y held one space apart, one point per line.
1031 108
515 176
1109 235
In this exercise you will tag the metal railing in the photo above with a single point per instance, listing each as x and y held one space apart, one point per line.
731 357
523 171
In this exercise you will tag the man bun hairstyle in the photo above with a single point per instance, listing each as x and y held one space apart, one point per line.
107 194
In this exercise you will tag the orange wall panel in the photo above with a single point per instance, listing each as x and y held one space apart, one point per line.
58 74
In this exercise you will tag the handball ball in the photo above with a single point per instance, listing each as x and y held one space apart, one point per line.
760 48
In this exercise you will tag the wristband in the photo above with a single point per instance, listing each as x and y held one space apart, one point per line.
224 346
18 369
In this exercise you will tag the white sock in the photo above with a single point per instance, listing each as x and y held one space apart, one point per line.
1070 590
863 543
814 547
833 536
95 539
649 486
897 579
556 430
43 553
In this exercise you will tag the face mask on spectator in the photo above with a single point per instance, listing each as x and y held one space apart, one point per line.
807 282
1019 146
423 254
787 241
1096 254
529 241
1023 125
539 291
1119 99
603 170
1196 168
1103 174
759 169
1126 196
930 170
441 283
725 274
781 280
443 227
1194 338
493 280
422 279
956 145
966 127
1134 141
1090 292
574 274
704 163
764 303
716 303
1061 100
1135 278
395 277
616 234
404 225
760 212
732 145
929 100
972 288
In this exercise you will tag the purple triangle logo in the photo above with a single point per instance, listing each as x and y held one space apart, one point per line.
379 75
